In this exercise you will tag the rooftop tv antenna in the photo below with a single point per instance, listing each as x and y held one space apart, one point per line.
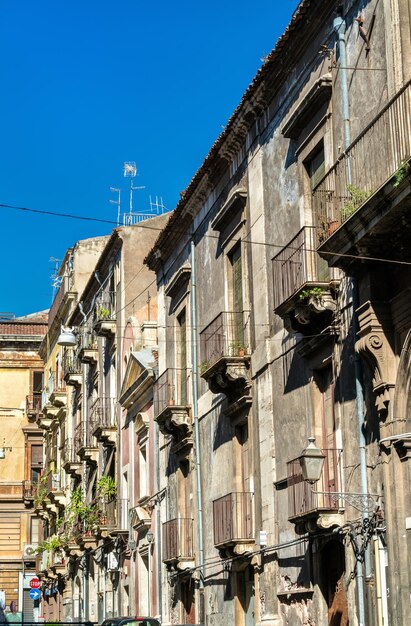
130 171
55 278
157 207
117 202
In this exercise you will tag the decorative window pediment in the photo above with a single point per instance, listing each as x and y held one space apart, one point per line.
310 103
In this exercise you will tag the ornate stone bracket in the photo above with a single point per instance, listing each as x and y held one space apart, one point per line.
374 347
176 421
229 375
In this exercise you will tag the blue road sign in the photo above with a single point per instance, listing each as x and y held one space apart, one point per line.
35 594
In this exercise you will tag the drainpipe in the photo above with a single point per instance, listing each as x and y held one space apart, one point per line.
159 595
196 427
340 29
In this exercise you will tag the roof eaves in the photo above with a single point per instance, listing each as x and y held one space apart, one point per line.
297 17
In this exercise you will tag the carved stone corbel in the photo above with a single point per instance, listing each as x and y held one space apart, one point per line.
373 345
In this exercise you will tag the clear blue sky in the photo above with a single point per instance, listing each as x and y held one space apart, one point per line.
87 85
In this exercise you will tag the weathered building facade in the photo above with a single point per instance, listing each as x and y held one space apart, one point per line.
103 330
53 494
21 460
283 305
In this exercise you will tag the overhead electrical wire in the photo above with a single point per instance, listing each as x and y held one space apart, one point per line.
145 225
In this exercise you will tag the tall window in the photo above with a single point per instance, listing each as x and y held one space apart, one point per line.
235 286
182 357
326 423
36 462
316 165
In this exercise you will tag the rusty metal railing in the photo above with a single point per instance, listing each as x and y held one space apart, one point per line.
178 539
372 158
233 518
303 500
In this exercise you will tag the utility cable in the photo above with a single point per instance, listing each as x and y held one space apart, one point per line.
145 225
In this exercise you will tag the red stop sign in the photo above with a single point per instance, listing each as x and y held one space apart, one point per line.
34 583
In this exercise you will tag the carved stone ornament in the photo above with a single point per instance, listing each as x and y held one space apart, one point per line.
231 376
374 347
176 421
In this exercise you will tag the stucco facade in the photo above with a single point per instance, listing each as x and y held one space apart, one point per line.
21 376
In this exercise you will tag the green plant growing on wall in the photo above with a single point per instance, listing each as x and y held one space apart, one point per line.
53 544
203 367
357 197
42 489
91 517
312 292
401 174
106 488
103 313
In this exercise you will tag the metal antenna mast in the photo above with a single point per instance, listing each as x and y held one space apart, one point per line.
130 171
157 207
117 202
55 278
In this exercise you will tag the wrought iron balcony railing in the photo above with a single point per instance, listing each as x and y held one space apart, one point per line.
170 389
226 336
64 292
106 307
33 404
296 267
71 363
115 515
233 519
306 501
103 414
368 163
178 540
53 482
83 437
29 490
68 453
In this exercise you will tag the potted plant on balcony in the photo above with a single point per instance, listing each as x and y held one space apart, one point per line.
317 299
103 313
106 488
357 197
238 348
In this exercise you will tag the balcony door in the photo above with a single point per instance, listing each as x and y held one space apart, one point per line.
333 583
181 381
187 601
245 594
326 425
235 295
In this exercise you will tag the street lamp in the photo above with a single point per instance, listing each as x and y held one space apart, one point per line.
312 462
67 337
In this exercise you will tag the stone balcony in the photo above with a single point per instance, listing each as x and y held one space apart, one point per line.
225 355
315 509
172 410
304 293
178 543
363 203
105 315
233 521
103 419
85 445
